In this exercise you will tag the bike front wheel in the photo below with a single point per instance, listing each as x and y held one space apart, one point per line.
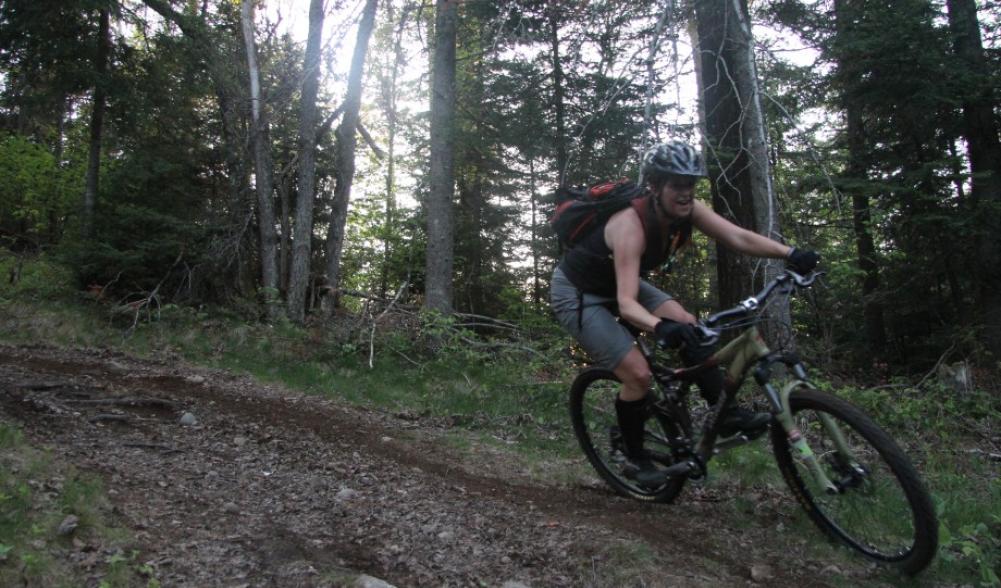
592 411
879 506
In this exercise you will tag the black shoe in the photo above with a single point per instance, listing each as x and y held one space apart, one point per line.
644 472
738 419
627 438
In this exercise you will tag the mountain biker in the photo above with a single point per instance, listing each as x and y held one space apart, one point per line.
606 268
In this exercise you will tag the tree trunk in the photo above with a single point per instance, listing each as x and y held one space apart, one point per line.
872 308
984 150
438 288
651 81
737 143
471 203
96 122
536 269
345 159
390 95
285 244
55 219
856 176
222 76
559 108
264 171
302 246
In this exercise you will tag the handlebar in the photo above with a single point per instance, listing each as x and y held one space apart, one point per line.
708 327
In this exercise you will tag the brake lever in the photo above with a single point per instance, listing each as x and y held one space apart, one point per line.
707 336
804 281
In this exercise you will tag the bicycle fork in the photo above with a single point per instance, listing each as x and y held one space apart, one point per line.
783 413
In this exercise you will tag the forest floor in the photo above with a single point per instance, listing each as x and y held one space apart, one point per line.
271 487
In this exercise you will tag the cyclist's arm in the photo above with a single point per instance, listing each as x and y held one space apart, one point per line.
624 236
733 237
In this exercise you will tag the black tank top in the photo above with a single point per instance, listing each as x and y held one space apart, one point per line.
590 266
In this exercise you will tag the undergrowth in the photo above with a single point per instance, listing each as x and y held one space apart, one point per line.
510 390
38 496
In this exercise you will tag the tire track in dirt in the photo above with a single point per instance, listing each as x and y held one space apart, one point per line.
482 528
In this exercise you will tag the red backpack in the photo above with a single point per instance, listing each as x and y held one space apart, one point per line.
580 211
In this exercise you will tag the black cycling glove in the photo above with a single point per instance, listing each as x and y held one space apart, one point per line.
671 335
802 261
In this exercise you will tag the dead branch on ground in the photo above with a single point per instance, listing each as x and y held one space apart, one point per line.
464 321
147 301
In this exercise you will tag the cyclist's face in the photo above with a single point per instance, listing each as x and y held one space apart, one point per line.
678 196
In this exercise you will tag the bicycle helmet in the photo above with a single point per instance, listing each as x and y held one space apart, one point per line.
673 158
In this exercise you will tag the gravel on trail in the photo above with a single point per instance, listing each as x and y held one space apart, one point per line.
225 481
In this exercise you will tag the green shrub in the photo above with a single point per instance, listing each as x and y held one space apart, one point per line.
29 276
29 519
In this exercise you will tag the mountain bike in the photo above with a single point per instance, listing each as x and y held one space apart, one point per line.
850 476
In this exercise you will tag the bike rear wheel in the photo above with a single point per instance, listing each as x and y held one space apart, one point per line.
881 508
592 411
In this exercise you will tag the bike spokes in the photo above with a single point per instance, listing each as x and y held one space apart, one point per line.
866 494
592 410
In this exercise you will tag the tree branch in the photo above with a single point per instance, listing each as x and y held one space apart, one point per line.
379 153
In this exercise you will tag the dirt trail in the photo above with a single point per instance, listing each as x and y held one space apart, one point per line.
274 488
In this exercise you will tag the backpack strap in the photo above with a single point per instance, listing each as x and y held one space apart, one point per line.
679 233
646 210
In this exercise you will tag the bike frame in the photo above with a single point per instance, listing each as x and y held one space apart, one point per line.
746 352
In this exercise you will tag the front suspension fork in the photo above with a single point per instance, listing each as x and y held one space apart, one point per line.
780 402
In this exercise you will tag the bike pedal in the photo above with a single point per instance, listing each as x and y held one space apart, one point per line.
741 437
735 440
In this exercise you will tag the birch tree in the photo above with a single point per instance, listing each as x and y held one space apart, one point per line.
264 168
559 106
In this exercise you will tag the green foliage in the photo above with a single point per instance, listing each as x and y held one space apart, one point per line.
36 494
935 426
891 71
492 390
33 276
937 408
136 248
174 209
975 546
380 257
36 194
154 219
48 48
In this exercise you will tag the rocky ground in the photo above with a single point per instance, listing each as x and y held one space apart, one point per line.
224 481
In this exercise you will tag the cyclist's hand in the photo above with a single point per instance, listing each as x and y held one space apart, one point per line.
802 261
671 335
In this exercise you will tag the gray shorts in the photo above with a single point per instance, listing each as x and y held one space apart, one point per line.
596 329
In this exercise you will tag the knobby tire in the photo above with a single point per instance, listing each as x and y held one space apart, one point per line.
592 411
887 505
